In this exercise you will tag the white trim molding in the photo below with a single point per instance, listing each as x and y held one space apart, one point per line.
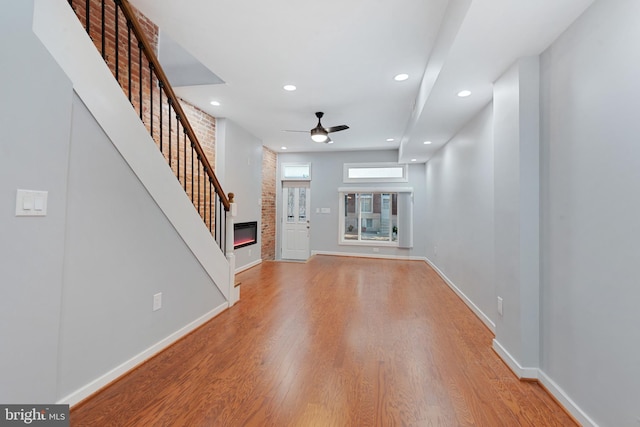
536 374
564 400
248 266
375 189
481 315
520 371
361 255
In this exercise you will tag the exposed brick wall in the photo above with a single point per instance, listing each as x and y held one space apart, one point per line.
159 118
204 126
269 162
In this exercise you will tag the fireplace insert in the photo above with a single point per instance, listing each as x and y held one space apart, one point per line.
245 234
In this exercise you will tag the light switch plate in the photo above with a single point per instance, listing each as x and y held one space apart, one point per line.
31 203
157 301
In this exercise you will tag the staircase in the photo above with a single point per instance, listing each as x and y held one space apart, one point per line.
127 41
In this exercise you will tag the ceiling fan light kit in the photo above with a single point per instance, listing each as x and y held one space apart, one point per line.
319 135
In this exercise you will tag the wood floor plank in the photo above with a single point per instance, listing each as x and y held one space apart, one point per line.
332 342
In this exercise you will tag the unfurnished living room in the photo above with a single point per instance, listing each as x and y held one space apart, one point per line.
362 213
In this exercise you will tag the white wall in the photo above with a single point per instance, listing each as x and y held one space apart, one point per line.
326 178
34 91
516 172
591 212
459 228
239 162
589 340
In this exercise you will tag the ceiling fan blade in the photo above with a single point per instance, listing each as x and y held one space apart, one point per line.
337 128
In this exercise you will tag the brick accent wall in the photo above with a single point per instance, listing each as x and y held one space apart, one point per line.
152 106
269 164
204 125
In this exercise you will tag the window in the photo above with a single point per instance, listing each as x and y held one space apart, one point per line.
375 172
296 171
376 216
369 217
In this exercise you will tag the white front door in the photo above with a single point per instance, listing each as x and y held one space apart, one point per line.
295 222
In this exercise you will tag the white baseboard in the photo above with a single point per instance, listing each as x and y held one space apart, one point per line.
373 255
483 317
248 266
520 371
98 383
554 389
565 400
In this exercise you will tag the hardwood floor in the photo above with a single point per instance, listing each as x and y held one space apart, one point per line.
331 342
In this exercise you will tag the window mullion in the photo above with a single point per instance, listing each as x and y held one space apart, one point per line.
359 223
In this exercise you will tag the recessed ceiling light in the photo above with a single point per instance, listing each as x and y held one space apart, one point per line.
464 93
289 88
427 142
390 139
414 160
401 77
215 103
283 147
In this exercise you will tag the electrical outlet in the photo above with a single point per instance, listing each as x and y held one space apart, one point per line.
157 301
250 252
376 250
500 306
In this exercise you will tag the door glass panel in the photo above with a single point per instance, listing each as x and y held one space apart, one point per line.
302 207
290 204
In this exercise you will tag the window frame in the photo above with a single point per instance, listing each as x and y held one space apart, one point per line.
379 179
343 191
283 172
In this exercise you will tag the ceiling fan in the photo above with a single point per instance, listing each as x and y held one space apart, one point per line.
320 133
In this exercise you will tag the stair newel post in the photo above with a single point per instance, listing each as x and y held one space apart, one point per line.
234 291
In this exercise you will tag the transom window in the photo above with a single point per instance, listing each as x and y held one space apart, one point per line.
296 171
375 172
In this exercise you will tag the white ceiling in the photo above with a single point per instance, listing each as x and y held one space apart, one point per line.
343 54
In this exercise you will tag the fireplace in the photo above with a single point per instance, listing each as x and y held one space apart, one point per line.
245 234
